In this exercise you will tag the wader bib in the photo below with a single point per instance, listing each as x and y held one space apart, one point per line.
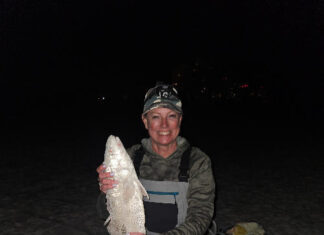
167 205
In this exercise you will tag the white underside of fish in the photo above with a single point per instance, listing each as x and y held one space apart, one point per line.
125 201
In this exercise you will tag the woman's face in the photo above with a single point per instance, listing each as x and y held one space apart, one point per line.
163 125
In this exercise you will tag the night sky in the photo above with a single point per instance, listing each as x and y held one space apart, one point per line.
72 48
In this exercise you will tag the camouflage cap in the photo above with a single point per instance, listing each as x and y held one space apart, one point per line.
162 96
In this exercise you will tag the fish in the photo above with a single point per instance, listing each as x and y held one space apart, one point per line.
124 201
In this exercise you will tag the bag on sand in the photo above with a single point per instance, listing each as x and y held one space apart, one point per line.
247 228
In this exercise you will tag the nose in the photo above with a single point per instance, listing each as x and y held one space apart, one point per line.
164 122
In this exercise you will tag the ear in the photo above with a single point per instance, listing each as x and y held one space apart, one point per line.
180 120
144 119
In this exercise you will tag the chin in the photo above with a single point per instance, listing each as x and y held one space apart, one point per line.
164 141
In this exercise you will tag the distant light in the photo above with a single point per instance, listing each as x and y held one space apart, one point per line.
101 98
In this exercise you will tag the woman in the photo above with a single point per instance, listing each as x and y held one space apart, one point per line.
178 177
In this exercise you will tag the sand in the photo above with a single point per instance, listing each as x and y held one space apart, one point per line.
49 184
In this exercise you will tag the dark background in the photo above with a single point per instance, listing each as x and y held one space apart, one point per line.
60 58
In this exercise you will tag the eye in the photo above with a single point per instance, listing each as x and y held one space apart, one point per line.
173 115
155 116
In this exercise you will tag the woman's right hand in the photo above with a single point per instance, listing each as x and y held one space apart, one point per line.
105 179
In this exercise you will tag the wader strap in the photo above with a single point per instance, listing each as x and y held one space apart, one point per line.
183 168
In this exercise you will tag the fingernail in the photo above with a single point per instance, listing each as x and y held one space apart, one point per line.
104 165
114 185
112 174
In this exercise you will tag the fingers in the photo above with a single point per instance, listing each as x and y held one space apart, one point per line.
105 179
101 168
107 184
102 172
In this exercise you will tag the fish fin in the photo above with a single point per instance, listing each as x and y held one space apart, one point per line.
107 220
143 190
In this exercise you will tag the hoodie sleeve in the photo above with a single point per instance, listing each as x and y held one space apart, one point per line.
201 196
101 207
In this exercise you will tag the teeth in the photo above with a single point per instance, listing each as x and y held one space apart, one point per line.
164 133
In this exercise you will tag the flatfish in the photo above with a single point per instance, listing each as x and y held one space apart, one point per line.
125 201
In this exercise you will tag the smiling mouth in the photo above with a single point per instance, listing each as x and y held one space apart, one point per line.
164 133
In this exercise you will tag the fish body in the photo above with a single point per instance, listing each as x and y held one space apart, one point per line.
125 201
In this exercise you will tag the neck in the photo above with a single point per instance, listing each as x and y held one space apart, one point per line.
164 150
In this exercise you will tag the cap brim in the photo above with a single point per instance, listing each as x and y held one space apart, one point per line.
163 105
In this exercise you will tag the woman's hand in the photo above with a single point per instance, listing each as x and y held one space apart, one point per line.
106 180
